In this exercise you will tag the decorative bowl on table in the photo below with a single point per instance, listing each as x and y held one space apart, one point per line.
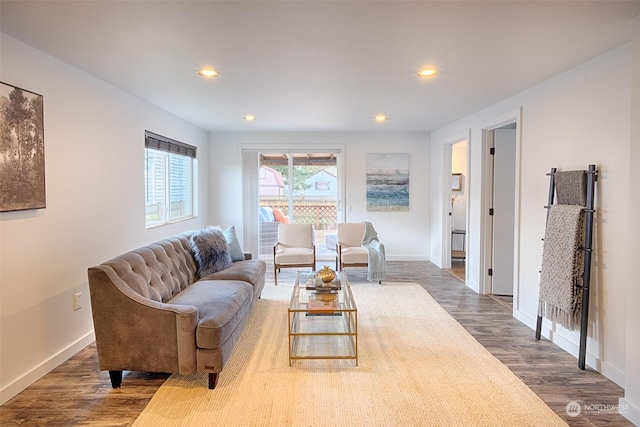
327 275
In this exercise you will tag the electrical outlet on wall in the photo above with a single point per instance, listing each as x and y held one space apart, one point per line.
77 301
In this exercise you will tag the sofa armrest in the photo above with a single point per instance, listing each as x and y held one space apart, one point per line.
137 333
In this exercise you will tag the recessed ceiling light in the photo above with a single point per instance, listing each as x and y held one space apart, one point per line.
249 118
208 72
380 118
427 72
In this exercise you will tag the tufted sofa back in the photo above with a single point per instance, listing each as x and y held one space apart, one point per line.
158 271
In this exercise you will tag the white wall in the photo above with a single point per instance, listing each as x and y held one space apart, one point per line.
404 234
94 154
630 404
577 118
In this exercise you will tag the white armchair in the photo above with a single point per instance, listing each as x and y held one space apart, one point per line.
358 246
350 252
294 249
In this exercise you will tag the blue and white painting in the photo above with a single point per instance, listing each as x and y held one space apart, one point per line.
387 182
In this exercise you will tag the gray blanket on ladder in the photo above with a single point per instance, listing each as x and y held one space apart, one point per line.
571 188
562 261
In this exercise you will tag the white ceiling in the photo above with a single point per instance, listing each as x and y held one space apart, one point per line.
321 65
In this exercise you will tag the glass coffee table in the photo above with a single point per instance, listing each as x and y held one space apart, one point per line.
323 320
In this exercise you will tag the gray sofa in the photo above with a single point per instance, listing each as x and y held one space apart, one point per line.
151 311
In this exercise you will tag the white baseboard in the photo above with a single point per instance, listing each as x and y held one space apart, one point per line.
12 390
611 372
591 360
525 318
407 258
473 285
437 262
629 410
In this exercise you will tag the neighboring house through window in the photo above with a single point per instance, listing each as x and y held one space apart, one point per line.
169 171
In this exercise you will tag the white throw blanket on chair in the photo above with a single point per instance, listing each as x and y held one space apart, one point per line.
376 270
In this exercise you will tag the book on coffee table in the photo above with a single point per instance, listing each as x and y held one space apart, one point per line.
323 302
323 287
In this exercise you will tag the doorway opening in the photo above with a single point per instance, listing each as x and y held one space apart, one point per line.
458 209
300 188
500 145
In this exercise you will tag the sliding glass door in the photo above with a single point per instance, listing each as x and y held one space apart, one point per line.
300 188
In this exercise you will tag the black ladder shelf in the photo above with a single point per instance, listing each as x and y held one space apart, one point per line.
592 177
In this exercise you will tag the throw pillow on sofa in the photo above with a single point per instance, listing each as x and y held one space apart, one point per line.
234 245
210 250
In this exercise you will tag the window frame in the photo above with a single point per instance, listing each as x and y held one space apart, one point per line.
165 150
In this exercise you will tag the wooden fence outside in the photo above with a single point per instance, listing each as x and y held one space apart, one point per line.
322 214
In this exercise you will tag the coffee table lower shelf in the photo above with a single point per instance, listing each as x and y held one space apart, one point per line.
326 336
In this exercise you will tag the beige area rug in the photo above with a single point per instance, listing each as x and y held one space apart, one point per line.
417 367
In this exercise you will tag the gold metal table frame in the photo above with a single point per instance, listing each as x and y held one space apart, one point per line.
318 331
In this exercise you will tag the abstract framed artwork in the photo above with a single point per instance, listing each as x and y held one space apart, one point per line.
22 177
388 182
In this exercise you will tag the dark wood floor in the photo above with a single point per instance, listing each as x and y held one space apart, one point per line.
76 393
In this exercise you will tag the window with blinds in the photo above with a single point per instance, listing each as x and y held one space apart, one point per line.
169 170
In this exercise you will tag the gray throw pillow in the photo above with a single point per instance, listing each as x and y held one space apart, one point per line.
234 245
210 250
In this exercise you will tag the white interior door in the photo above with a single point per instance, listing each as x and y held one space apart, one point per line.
504 191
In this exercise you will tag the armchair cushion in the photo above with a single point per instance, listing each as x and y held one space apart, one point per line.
295 235
355 255
286 255
351 234
295 244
